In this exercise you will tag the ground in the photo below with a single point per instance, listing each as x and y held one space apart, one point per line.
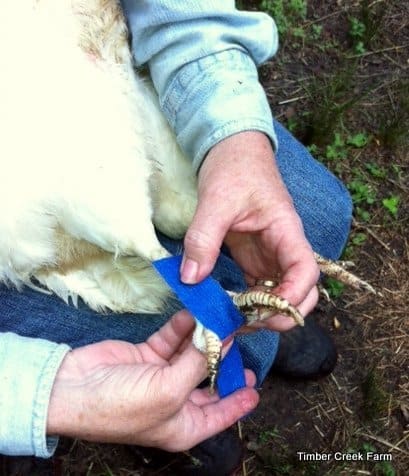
340 82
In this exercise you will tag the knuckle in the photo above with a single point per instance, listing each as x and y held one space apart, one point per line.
199 240
315 272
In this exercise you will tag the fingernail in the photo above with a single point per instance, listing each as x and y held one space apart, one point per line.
189 271
248 405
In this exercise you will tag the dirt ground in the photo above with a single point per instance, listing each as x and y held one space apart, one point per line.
343 89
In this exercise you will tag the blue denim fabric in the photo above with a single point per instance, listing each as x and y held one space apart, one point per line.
325 209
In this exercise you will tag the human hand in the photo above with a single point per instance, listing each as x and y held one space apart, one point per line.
143 394
243 201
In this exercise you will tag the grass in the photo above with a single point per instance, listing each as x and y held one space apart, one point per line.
375 398
393 130
330 96
287 15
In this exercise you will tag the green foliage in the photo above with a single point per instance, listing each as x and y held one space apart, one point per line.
362 214
356 28
392 205
358 239
365 26
286 14
368 448
335 288
316 31
356 32
361 183
358 140
376 171
385 468
313 149
292 124
361 192
337 149
268 435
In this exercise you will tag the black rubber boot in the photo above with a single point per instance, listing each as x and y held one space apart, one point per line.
305 353
220 455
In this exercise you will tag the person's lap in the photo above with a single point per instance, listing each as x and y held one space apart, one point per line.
324 206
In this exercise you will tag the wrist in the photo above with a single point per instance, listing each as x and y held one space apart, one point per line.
64 398
246 158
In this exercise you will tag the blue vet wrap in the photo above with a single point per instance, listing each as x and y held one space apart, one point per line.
212 306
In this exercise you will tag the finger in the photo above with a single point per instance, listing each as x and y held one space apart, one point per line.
300 274
187 371
169 338
202 242
201 396
189 368
211 418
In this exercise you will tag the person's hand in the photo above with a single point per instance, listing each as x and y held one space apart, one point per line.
143 394
243 201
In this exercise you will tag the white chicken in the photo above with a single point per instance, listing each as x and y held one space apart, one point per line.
89 163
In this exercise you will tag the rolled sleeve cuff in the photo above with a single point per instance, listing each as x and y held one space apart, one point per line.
29 367
213 98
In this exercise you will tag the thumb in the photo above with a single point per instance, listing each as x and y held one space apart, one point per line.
203 241
187 371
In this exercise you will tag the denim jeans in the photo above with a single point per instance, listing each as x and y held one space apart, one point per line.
324 206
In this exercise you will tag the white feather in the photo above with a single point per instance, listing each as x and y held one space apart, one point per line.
88 161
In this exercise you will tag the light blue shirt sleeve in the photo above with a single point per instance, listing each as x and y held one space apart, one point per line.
27 372
203 58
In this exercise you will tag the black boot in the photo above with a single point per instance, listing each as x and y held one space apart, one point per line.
305 353
220 455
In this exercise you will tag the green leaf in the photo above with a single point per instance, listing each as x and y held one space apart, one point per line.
313 149
375 170
358 239
358 140
391 204
364 215
386 469
334 287
356 28
368 447
359 48
338 140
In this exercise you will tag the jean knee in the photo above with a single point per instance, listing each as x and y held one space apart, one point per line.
322 200
332 221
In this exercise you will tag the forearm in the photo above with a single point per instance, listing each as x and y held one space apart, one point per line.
27 372
202 57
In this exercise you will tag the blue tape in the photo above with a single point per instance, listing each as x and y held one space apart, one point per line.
212 306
